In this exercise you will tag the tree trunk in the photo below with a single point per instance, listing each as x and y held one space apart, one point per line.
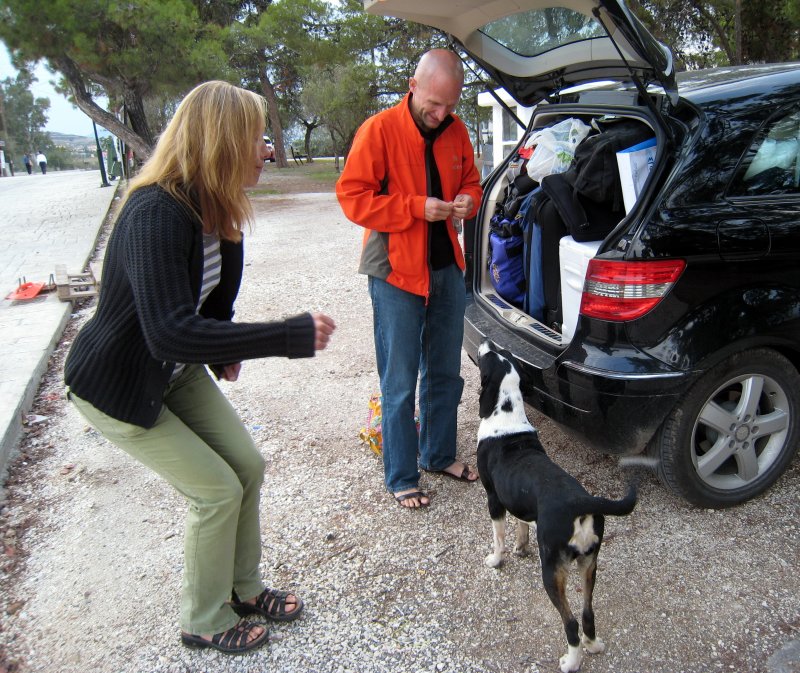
108 121
335 152
3 129
723 38
737 31
274 117
307 141
137 115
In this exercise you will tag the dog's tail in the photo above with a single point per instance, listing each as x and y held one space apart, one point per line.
615 507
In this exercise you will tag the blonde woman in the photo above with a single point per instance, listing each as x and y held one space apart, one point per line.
136 370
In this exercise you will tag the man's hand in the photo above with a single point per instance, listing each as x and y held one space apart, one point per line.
436 209
462 206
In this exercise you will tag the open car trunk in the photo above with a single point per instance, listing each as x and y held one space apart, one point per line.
545 214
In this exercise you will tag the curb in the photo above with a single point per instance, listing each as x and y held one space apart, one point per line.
12 434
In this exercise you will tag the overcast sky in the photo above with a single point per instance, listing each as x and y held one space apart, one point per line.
63 117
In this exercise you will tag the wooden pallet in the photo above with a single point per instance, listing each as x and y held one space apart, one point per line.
71 286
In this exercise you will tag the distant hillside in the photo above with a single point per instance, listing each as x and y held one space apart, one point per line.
69 140
72 140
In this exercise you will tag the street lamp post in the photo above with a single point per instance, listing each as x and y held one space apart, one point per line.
100 158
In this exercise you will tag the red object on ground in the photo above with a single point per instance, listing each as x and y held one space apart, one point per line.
26 291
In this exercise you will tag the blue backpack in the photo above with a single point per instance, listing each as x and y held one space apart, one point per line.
506 270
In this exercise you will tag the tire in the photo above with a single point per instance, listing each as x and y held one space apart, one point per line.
734 433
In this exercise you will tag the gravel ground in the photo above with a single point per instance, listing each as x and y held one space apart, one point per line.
91 542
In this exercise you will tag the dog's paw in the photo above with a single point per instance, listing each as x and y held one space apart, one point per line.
571 661
493 560
595 646
522 550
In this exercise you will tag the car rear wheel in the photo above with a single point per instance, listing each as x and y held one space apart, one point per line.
734 433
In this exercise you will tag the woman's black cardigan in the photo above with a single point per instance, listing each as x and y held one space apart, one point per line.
146 318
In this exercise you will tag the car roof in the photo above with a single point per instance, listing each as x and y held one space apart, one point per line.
717 85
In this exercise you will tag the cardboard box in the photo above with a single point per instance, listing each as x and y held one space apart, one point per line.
635 164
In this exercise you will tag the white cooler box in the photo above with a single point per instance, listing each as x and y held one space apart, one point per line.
574 259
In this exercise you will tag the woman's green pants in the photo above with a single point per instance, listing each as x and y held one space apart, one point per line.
200 446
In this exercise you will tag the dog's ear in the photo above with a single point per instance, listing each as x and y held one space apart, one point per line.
493 371
490 388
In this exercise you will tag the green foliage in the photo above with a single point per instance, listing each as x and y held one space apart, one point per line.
281 38
770 31
147 45
269 47
342 97
146 54
25 116
709 33
391 45
128 50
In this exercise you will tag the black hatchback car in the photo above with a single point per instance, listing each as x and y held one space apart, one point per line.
677 330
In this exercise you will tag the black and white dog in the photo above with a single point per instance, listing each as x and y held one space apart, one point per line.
520 479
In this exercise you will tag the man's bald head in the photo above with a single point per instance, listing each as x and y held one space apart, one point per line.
436 87
440 63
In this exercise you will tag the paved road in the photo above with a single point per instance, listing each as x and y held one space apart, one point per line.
45 220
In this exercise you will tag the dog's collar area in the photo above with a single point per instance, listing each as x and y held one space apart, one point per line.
519 438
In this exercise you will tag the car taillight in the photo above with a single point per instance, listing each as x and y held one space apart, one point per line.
620 291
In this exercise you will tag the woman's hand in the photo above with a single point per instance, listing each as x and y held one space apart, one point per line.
323 328
231 372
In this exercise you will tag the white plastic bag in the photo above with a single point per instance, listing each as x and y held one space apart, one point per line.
554 147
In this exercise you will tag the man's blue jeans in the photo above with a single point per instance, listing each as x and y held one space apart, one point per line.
414 340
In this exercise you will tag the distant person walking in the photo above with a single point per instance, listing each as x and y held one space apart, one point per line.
28 163
41 159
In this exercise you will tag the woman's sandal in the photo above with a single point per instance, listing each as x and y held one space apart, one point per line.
233 641
270 603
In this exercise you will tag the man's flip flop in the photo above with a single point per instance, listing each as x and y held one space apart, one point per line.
464 476
414 494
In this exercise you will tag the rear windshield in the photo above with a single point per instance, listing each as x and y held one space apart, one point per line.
539 30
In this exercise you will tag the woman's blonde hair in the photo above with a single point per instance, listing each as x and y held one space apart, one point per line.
205 155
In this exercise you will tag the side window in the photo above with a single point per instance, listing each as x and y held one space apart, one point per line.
771 164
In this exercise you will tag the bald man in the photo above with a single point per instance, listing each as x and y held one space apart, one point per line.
409 174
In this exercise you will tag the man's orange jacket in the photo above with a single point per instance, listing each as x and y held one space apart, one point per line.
383 188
